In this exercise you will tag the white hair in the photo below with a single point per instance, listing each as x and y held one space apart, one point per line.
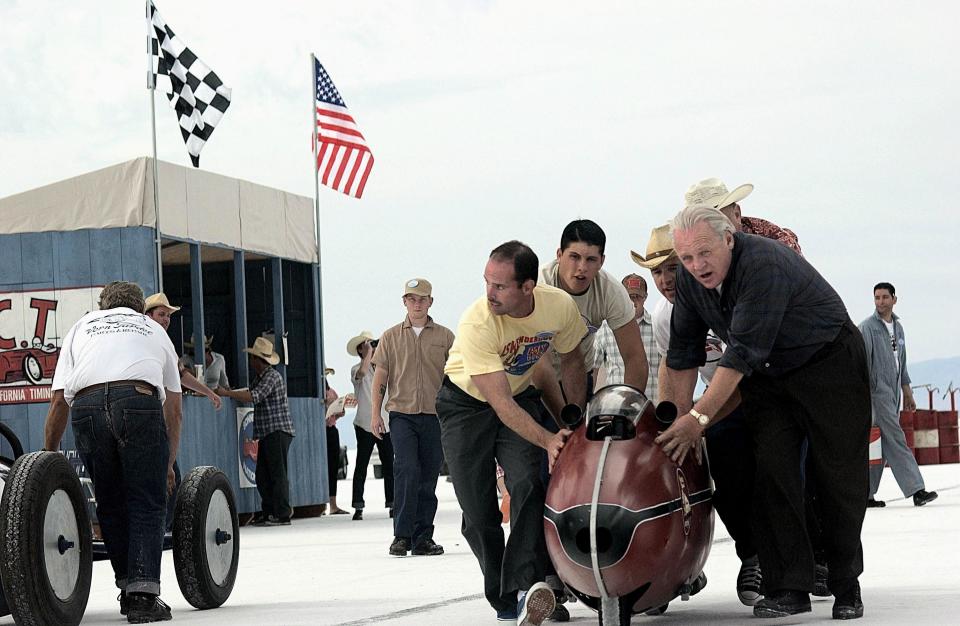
692 215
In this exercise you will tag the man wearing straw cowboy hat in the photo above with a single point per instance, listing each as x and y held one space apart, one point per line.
732 461
273 427
159 309
713 192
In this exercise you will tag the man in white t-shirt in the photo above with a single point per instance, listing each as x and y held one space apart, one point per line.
887 360
117 376
732 459
600 298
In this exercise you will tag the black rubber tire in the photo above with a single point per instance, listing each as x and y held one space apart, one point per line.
15 446
190 543
32 481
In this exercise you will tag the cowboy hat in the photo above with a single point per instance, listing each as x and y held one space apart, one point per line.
353 344
263 349
659 248
159 299
712 191
207 342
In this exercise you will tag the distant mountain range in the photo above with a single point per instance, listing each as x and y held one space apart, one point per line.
938 373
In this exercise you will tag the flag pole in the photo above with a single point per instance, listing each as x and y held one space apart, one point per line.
151 87
316 205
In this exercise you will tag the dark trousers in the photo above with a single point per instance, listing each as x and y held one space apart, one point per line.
733 467
122 438
365 443
272 480
474 441
417 456
333 458
827 401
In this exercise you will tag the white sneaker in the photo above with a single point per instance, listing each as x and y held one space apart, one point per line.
535 605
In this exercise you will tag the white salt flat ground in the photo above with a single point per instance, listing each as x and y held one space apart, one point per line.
332 570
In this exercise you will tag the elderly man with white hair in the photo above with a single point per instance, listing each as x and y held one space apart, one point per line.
801 369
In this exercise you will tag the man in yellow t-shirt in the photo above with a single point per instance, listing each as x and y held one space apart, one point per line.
486 406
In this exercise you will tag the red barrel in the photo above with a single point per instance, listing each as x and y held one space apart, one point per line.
649 520
948 435
926 437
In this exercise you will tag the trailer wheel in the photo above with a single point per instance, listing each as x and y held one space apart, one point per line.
46 557
16 448
206 538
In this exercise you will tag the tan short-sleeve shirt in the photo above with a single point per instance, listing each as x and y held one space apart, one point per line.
414 365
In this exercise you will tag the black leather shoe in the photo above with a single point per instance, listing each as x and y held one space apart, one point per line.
145 607
848 605
782 603
124 603
358 515
427 547
922 497
875 504
400 546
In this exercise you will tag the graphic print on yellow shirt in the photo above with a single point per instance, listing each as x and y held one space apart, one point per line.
522 353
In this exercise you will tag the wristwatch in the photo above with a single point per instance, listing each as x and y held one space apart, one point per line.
702 419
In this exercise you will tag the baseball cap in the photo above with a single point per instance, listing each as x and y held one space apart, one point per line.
417 287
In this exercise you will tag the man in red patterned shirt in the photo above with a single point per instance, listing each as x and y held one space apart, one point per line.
712 191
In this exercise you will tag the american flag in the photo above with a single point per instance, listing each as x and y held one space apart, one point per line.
344 160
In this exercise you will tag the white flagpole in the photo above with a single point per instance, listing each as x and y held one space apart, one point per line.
151 86
316 206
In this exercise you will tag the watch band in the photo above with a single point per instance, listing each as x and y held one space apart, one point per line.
702 419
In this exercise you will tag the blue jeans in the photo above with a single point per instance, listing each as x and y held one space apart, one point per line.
417 455
122 438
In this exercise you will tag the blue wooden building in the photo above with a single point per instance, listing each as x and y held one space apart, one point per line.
241 261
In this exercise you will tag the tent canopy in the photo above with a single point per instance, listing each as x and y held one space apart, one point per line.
194 204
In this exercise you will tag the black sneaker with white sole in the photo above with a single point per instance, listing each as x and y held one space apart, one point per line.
749 580
820 587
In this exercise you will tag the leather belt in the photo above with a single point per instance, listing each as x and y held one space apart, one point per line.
116 383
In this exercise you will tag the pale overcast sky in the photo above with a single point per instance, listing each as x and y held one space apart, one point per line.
498 120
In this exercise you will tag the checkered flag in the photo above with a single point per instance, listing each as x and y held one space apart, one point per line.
195 92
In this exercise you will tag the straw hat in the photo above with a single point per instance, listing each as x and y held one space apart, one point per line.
262 348
712 191
659 248
207 342
159 299
353 344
